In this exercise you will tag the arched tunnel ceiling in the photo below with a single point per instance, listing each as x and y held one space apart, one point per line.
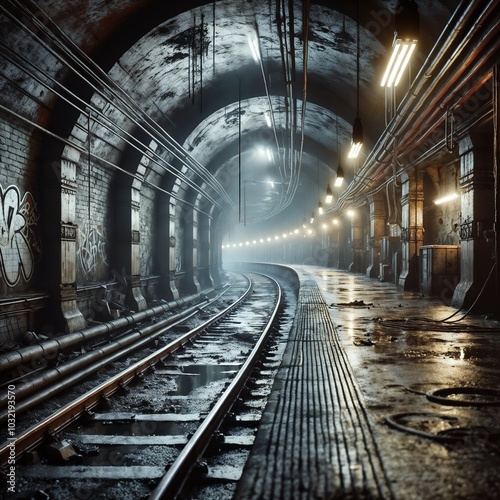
188 65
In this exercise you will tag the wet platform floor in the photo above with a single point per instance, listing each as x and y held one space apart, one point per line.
405 434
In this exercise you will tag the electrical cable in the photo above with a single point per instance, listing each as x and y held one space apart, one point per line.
122 97
137 145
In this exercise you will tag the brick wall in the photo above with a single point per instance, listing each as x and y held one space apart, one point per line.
20 239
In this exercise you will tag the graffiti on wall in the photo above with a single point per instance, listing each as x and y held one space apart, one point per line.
93 248
19 242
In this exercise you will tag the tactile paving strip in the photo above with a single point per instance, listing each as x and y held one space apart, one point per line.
315 440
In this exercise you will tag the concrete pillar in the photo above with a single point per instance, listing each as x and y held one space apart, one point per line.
476 230
204 250
356 265
412 231
173 266
73 319
127 256
377 230
135 298
188 251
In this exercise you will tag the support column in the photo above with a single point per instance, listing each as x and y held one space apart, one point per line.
173 266
377 230
135 298
204 257
412 232
476 231
127 256
72 317
356 265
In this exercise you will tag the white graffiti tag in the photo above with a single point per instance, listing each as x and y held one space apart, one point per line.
16 236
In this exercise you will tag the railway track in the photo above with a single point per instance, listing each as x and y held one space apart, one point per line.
142 432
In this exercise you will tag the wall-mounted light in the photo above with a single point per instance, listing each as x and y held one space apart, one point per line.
446 198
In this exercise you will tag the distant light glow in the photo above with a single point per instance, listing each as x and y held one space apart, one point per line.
350 213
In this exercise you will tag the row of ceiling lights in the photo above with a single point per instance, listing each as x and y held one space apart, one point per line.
404 44
306 230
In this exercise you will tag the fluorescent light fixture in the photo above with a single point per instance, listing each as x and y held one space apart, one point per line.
329 194
401 54
446 198
357 138
268 119
254 47
340 176
355 149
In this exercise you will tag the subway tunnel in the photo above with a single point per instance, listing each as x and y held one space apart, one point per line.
147 146
155 141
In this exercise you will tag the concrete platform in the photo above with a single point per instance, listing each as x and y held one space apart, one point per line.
361 356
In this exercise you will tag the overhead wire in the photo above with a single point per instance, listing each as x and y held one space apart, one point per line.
126 136
132 109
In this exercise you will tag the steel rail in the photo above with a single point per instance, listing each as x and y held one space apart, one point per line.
172 483
72 411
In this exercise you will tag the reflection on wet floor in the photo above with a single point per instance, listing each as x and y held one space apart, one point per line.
403 347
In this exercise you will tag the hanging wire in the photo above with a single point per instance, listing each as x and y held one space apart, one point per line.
131 109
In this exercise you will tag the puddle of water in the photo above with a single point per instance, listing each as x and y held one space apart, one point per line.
196 376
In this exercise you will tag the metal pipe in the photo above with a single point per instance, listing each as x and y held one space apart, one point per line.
421 91
134 339
50 349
